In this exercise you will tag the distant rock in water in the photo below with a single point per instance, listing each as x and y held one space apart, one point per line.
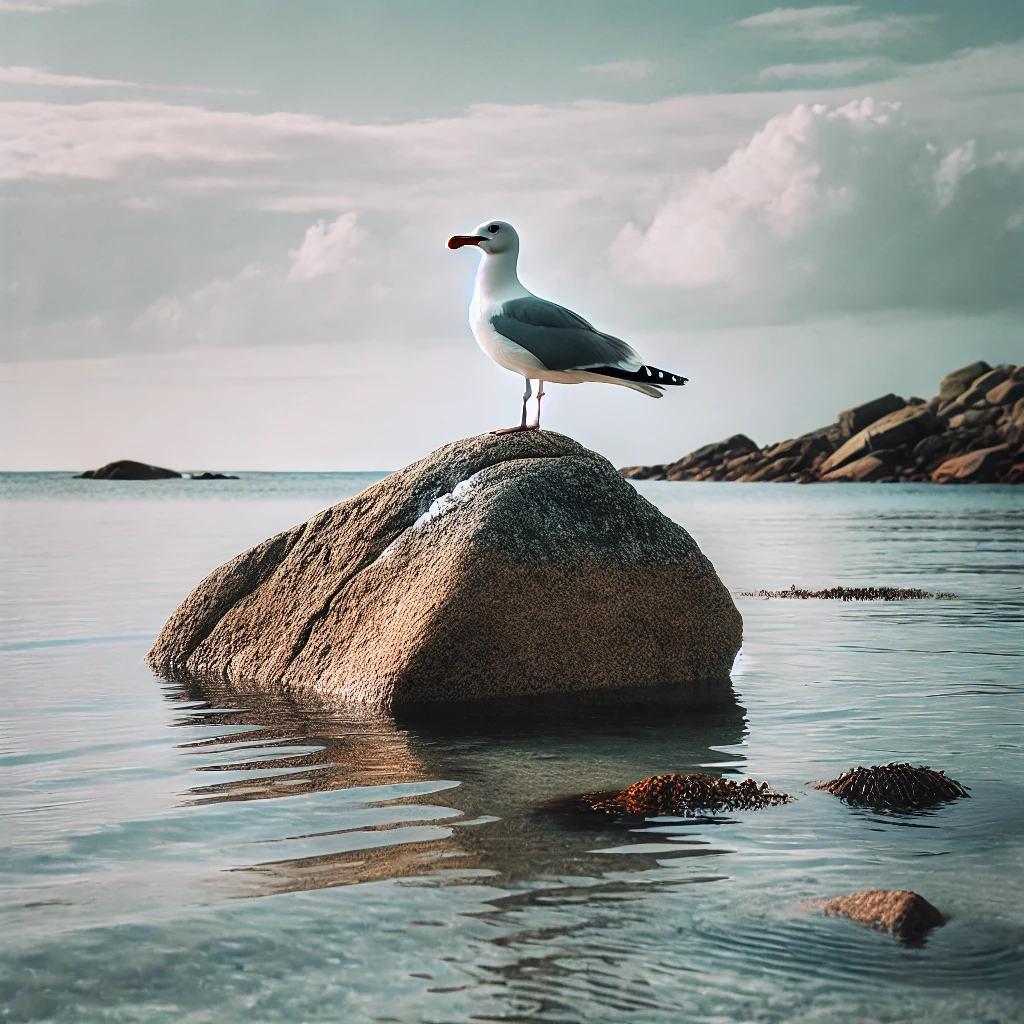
125 469
510 565
905 914
971 432
211 476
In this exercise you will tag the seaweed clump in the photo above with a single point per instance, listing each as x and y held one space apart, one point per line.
685 794
893 785
850 594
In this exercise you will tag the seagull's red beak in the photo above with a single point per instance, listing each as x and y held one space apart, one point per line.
458 241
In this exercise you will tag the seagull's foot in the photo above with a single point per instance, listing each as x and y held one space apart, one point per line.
516 430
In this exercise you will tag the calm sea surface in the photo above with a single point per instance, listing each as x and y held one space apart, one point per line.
175 855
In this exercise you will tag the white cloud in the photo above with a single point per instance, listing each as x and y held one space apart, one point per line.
838 23
620 70
840 208
163 206
827 69
42 6
50 79
326 248
37 76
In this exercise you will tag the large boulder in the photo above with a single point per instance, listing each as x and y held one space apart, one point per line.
1006 393
126 469
854 420
907 425
956 383
499 566
975 393
974 467
863 470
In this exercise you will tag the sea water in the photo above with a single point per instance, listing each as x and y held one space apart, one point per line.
169 853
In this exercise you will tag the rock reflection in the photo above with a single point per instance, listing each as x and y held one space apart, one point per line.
497 768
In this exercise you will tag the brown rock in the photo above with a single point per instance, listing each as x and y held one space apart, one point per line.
904 913
906 425
775 469
1006 393
641 472
1017 414
499 566
957 382
860 416
975 393
862 470
126 469
974 467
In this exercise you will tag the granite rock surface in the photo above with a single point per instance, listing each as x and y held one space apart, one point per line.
499 566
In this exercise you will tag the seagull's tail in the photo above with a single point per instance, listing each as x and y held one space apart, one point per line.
648 379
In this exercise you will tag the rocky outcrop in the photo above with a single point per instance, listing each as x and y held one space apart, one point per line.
971 432
905 914
206 475
501 566
125 469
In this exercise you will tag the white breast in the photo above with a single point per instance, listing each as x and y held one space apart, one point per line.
504 352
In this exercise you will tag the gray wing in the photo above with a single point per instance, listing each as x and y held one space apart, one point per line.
559 338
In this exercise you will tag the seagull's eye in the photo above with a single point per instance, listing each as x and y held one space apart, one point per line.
492 228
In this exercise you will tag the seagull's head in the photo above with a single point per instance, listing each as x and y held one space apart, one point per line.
493 237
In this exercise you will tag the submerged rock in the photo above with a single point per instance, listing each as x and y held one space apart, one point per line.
904 913
896 786
684 794
126 469
500 566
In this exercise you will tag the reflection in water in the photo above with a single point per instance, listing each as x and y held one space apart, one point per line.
496 771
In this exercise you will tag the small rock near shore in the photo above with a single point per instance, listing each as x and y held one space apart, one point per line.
905 914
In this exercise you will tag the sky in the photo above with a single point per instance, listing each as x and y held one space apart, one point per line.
222 222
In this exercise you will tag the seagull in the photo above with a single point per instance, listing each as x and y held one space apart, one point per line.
541 340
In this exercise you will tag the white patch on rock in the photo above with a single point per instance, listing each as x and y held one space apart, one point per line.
438 507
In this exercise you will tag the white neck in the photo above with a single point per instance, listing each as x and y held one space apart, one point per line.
496 278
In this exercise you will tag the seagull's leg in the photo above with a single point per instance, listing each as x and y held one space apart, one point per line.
540 395
522 423
526 398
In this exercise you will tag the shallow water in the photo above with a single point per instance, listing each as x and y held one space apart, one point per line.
172 855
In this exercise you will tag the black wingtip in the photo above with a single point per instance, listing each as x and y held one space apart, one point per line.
645 375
